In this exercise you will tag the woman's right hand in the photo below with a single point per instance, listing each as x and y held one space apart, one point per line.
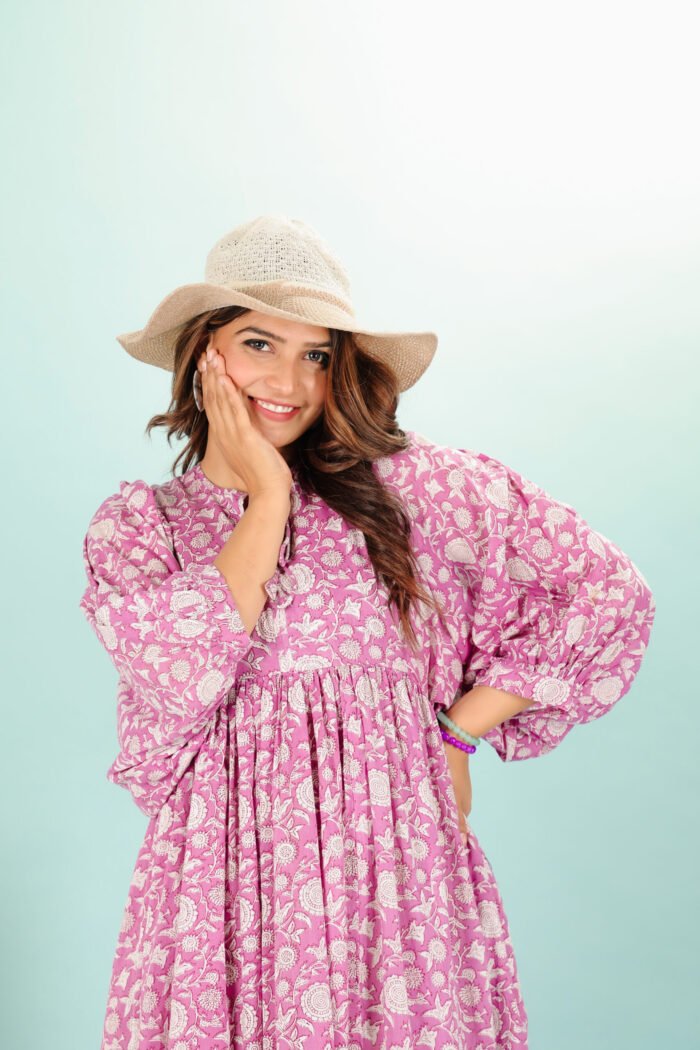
245 449
458 763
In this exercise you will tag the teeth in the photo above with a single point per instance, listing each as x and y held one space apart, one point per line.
274 408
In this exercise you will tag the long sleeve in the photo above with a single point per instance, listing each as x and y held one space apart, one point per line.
554 611
174 635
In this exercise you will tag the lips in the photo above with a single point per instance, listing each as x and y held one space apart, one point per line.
280 404
268 413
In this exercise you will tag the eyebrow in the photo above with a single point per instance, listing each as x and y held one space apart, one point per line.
277 338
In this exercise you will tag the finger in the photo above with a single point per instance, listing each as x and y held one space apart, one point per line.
225 389
211 370
221 424
203 359
211 396
207 373
228 413
231 400
202 362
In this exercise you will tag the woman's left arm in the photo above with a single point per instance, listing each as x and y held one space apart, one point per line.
483 708
556 618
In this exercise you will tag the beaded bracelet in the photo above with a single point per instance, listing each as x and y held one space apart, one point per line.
474 741
469 748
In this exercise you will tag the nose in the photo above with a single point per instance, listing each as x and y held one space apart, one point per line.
282 379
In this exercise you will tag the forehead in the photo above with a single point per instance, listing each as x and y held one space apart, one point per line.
281 326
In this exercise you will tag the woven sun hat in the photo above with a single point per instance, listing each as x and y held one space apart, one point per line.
282 267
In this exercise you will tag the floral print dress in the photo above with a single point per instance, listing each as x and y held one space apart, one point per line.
302 884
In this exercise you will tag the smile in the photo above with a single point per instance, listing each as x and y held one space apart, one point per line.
268 409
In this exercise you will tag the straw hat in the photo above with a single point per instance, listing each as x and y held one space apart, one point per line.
280 267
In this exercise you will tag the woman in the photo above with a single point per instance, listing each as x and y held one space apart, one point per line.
315 624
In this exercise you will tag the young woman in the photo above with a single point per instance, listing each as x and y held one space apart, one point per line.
314 625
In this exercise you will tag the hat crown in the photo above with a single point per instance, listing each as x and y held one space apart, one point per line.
276 248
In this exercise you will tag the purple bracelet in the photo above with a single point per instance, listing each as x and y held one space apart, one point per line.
461 744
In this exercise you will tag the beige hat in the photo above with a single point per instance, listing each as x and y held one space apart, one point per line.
281 267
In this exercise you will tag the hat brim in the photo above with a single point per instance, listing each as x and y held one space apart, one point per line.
408 354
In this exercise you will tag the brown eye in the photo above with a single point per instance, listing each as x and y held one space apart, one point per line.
325 358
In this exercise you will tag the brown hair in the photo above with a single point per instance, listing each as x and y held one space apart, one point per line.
333 456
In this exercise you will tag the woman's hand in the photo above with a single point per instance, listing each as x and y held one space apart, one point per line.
245 449
458 761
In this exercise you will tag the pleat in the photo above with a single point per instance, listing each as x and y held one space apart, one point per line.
349 905
188 984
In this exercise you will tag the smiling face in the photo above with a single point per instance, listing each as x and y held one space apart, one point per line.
279 361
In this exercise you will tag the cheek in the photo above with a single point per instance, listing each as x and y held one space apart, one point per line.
317 394
318 404
239 370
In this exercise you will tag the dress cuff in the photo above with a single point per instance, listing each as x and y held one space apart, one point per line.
213 587
538 684
279 587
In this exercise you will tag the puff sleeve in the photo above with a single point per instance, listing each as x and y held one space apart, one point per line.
175 636
554 611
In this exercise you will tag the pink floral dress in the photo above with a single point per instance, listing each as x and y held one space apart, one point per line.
302 884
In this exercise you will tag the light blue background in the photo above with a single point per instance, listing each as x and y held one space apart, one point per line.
521 179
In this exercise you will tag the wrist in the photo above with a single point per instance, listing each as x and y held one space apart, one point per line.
453 734
462 716
272 498
456 748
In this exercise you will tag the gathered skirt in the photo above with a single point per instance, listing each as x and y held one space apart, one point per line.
305 886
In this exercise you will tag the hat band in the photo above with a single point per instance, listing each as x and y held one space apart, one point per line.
316 305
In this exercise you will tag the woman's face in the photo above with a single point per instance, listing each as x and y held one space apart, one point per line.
276 363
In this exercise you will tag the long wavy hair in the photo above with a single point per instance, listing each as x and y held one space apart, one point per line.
334 456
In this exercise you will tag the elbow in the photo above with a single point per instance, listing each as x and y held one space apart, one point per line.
645 605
